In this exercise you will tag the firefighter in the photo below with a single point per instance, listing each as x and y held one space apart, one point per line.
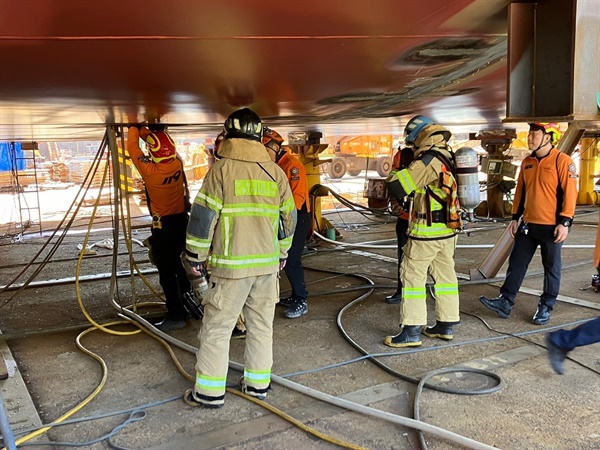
402 159
168 203
296 304
239 331
235 217
431 239
544 202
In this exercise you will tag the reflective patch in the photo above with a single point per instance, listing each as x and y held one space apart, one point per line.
256 188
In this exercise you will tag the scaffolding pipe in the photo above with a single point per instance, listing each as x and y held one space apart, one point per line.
7 435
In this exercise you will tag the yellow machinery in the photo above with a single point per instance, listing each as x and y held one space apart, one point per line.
353 154
307 147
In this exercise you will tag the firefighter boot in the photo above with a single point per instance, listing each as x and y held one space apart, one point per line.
500 305
441 330
410 336
192 399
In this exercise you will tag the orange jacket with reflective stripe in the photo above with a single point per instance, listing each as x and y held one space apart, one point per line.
296 174
546 189
164 181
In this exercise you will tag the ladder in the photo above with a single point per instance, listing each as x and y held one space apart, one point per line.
27 203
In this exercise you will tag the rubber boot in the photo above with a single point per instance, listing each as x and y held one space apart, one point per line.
441 330
410 336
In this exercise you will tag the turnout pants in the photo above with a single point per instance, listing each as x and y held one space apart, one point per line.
293 267
585 334
521 255
167 244
437 256
223 303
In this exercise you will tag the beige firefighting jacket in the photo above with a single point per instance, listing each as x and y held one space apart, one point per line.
236 215
424 172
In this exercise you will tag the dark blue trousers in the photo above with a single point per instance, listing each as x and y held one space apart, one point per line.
585 334
401 234
293 267
525 245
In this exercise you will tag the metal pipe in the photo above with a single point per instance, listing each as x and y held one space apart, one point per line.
7 434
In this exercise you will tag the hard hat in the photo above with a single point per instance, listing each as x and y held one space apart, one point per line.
414 127
243 124
273 140
550 128
161 146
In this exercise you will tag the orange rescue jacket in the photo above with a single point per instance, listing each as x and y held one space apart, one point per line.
164 181
296 174
546 189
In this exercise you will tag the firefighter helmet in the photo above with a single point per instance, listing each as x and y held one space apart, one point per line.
550 128
217 144
161 146
414 127
430 136
243 124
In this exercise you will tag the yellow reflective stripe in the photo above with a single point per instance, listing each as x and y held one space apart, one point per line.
447 289
210 383
406 181
436 229
197 242
288 205
209 200
226 232
413 292
257 375
242 262
250 211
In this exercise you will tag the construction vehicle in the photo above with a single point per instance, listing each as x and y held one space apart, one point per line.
353 154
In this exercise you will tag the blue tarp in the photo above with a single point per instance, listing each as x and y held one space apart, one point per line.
7 160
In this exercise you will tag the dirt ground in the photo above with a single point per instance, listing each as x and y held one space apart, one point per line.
535 409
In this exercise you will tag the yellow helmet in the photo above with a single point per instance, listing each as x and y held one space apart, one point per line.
550 128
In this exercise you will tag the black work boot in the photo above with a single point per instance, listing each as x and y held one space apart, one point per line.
395 298
410 336
441 330
500 305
